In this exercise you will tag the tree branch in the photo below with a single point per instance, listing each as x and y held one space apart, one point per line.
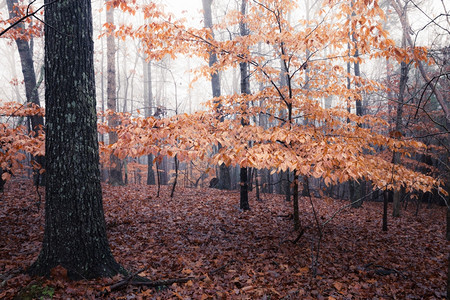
26 16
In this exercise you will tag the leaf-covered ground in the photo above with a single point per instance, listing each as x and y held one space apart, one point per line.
231 254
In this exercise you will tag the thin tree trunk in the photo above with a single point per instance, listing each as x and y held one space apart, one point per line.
257 188
385 210
148 95
245 90
31 86
295 203
398 132
116 165
355 186
224 171
176 177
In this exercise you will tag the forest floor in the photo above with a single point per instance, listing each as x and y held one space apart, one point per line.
223 253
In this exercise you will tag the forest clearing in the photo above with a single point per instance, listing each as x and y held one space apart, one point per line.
229 254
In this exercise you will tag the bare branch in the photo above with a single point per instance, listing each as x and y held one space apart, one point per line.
28 14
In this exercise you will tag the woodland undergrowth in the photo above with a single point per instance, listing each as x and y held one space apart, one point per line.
213 250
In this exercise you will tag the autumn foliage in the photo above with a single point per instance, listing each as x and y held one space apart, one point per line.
16 141
297 132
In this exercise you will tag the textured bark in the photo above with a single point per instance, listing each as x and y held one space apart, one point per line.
75 232
111 89
31 87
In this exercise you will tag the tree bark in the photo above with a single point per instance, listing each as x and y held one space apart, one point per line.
356 189
75 232
245 90
31 86
398 129
116 165
224 171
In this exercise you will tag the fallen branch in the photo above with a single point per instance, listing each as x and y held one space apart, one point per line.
221 268
123 283
158 283
166 282
382 270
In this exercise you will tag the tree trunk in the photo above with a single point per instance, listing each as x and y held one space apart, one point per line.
295 203
356 192
2 182
116 165
175 180
224 171
148 98
398 132
385 210
287 186
150 172
257 188
245 89
75 232
31 86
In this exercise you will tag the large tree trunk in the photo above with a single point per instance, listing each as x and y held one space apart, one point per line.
224 171
75 232
31 86
116 165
